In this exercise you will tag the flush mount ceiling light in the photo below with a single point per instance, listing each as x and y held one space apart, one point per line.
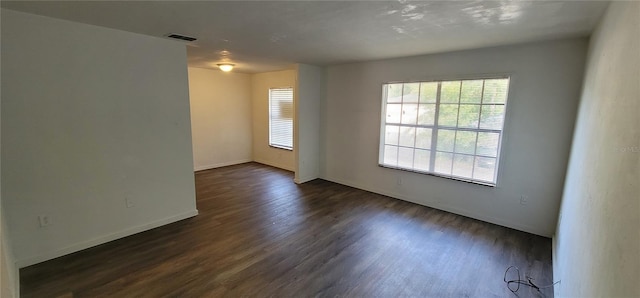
226 66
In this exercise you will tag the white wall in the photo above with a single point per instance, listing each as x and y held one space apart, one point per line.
597 243
544 92
90 116
220 117
262 152
8 271
9 287
309 94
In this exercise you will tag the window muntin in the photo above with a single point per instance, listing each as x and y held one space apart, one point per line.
281 118
446 128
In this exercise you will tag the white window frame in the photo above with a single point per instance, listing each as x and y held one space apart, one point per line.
436 127
272 143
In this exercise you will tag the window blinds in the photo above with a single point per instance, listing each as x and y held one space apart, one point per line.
281 118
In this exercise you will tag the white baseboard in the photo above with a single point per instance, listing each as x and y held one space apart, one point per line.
269 163
444 207
304 180
221 164
102 239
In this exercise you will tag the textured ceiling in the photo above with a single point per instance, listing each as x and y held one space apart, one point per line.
270 35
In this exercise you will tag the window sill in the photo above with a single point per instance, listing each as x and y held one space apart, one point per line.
441 176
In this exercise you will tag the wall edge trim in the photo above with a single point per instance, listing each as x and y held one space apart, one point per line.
447 208
102 239
277 165
221 164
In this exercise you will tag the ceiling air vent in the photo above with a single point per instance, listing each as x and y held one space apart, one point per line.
181 37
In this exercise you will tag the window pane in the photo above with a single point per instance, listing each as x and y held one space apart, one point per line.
446 139
495 91
466 142
492 117
428 92
390 155
409 113
488 144
484 168
407 136
443 163
405 157
393 113
468 116
450 92
422 160
462 165
394 93
423 138
471 91
426 114
391 134
467 126
448 115
410 93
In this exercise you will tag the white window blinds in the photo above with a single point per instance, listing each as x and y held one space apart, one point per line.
281 118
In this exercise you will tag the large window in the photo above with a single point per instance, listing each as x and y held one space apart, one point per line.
281 118
446 128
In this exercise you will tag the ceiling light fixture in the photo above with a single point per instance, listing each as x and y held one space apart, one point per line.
226 66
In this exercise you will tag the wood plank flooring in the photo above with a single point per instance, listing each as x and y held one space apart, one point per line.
259 234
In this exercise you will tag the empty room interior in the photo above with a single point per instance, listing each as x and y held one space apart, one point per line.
320 148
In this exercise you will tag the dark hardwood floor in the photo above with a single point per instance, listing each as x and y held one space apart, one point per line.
259 234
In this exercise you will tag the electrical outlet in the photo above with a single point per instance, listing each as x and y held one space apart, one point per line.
44 221
129 203
524 200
